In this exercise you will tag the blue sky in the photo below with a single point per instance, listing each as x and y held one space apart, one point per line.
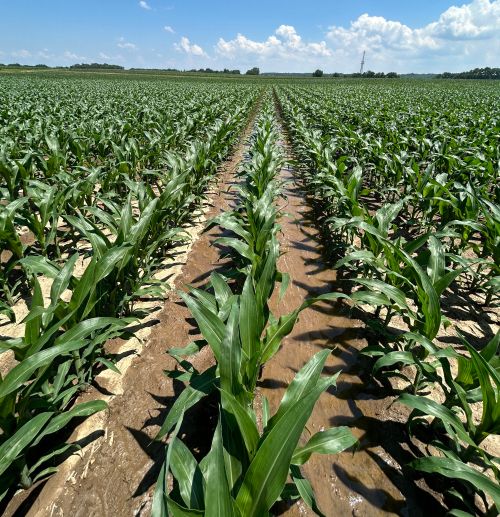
404 36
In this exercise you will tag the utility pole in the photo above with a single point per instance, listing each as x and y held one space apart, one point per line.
362 62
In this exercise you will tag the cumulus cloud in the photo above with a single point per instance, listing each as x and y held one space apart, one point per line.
284 43
463 36
169 29
478 20
459 32
187 47
144 5
45 54
68 55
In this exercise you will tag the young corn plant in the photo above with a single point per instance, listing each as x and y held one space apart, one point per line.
456 434
37 395
246 470
445 191
12 250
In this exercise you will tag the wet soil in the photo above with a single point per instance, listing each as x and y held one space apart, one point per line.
370 481
118 471
120 461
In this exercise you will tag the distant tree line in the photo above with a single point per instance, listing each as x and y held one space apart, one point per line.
192 70
210 71
476 73
17 65
95 66
81 66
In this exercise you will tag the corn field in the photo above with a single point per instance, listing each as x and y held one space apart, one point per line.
102 179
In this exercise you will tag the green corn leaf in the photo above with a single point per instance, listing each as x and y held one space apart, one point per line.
392 358
161 501
211 326
246 425
15 445
445 281
331 441
61 281
230 355
277 330
187 473
40 266
22 372
266 476
200 386
455 469
371 298
218 501
284 279
52 454
86 327
430 407
159 507
391 292
428 298
190 349
490 419
303 382
305 490
34 325
251 323
179 511
83 409
239 246
221 289
436 266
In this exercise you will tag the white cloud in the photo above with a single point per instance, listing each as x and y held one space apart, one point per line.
145 5
45 54
187 47
462 37
130 46
110 58
21 53
169 29
122 43
478 20
285 43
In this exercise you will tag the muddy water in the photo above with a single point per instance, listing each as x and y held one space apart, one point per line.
369 481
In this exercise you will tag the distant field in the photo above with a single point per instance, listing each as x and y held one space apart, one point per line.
104 177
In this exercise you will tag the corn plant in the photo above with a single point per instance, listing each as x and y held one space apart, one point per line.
424 220
246 470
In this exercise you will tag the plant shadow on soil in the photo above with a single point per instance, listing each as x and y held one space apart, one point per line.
30 495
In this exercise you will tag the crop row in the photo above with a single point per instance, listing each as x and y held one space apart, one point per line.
253 451
116 201
407 195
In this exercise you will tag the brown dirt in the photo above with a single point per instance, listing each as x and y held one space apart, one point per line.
119 460
370 481
118 470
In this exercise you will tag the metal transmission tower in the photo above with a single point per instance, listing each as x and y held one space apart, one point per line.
362 62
